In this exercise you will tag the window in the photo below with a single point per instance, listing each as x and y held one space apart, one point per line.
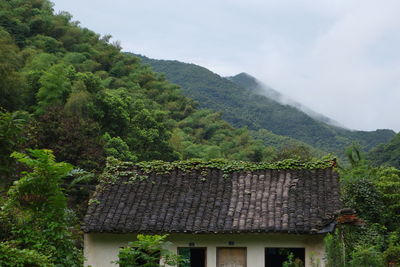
232 257
196 256
275 257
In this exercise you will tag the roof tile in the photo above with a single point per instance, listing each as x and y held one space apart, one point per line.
206 201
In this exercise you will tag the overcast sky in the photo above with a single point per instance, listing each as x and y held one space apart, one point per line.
338 57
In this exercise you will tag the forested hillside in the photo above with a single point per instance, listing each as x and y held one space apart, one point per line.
387 154
57 76
242 105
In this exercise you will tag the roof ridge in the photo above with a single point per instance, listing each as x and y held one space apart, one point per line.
227 166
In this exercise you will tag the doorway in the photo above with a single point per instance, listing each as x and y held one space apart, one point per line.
195 256
275 257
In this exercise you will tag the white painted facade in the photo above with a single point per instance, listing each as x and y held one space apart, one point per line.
101 248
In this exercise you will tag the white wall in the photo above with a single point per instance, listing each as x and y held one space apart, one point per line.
101 249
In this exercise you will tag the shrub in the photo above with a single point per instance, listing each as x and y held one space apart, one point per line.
366 256
147 252
13 257
392 256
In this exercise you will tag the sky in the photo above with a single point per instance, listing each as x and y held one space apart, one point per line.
340 58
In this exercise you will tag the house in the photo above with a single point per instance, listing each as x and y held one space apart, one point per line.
215 217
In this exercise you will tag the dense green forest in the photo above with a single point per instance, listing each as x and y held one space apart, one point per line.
387 154
71 101
241 103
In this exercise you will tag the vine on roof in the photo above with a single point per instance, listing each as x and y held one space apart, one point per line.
227 166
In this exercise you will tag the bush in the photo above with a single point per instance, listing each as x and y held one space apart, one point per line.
366 256
147 252
14 257
392 256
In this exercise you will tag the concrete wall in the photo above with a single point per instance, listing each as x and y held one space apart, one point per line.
101 249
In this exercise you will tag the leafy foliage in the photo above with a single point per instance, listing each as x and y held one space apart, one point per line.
36 209
12 127
388 154
365 198
11 81
116 168
388 184
55 87
366 256
391 255
229 166
291 262
71 138
334 250
373 193
116 147
147 252
13 257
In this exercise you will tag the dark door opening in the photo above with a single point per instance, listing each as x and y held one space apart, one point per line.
275 257
196 256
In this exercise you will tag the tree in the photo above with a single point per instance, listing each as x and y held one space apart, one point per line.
12 126
11 82
388 154
72 138
388 184
117 148
55 87
36 209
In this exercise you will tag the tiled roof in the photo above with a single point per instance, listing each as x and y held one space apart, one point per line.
209 201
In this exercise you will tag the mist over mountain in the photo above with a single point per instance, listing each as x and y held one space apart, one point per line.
245 80
244 102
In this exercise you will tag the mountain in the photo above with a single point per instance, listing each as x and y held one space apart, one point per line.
387 154
240 100
247 81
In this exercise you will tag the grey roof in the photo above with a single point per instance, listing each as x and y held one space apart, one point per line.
209 201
